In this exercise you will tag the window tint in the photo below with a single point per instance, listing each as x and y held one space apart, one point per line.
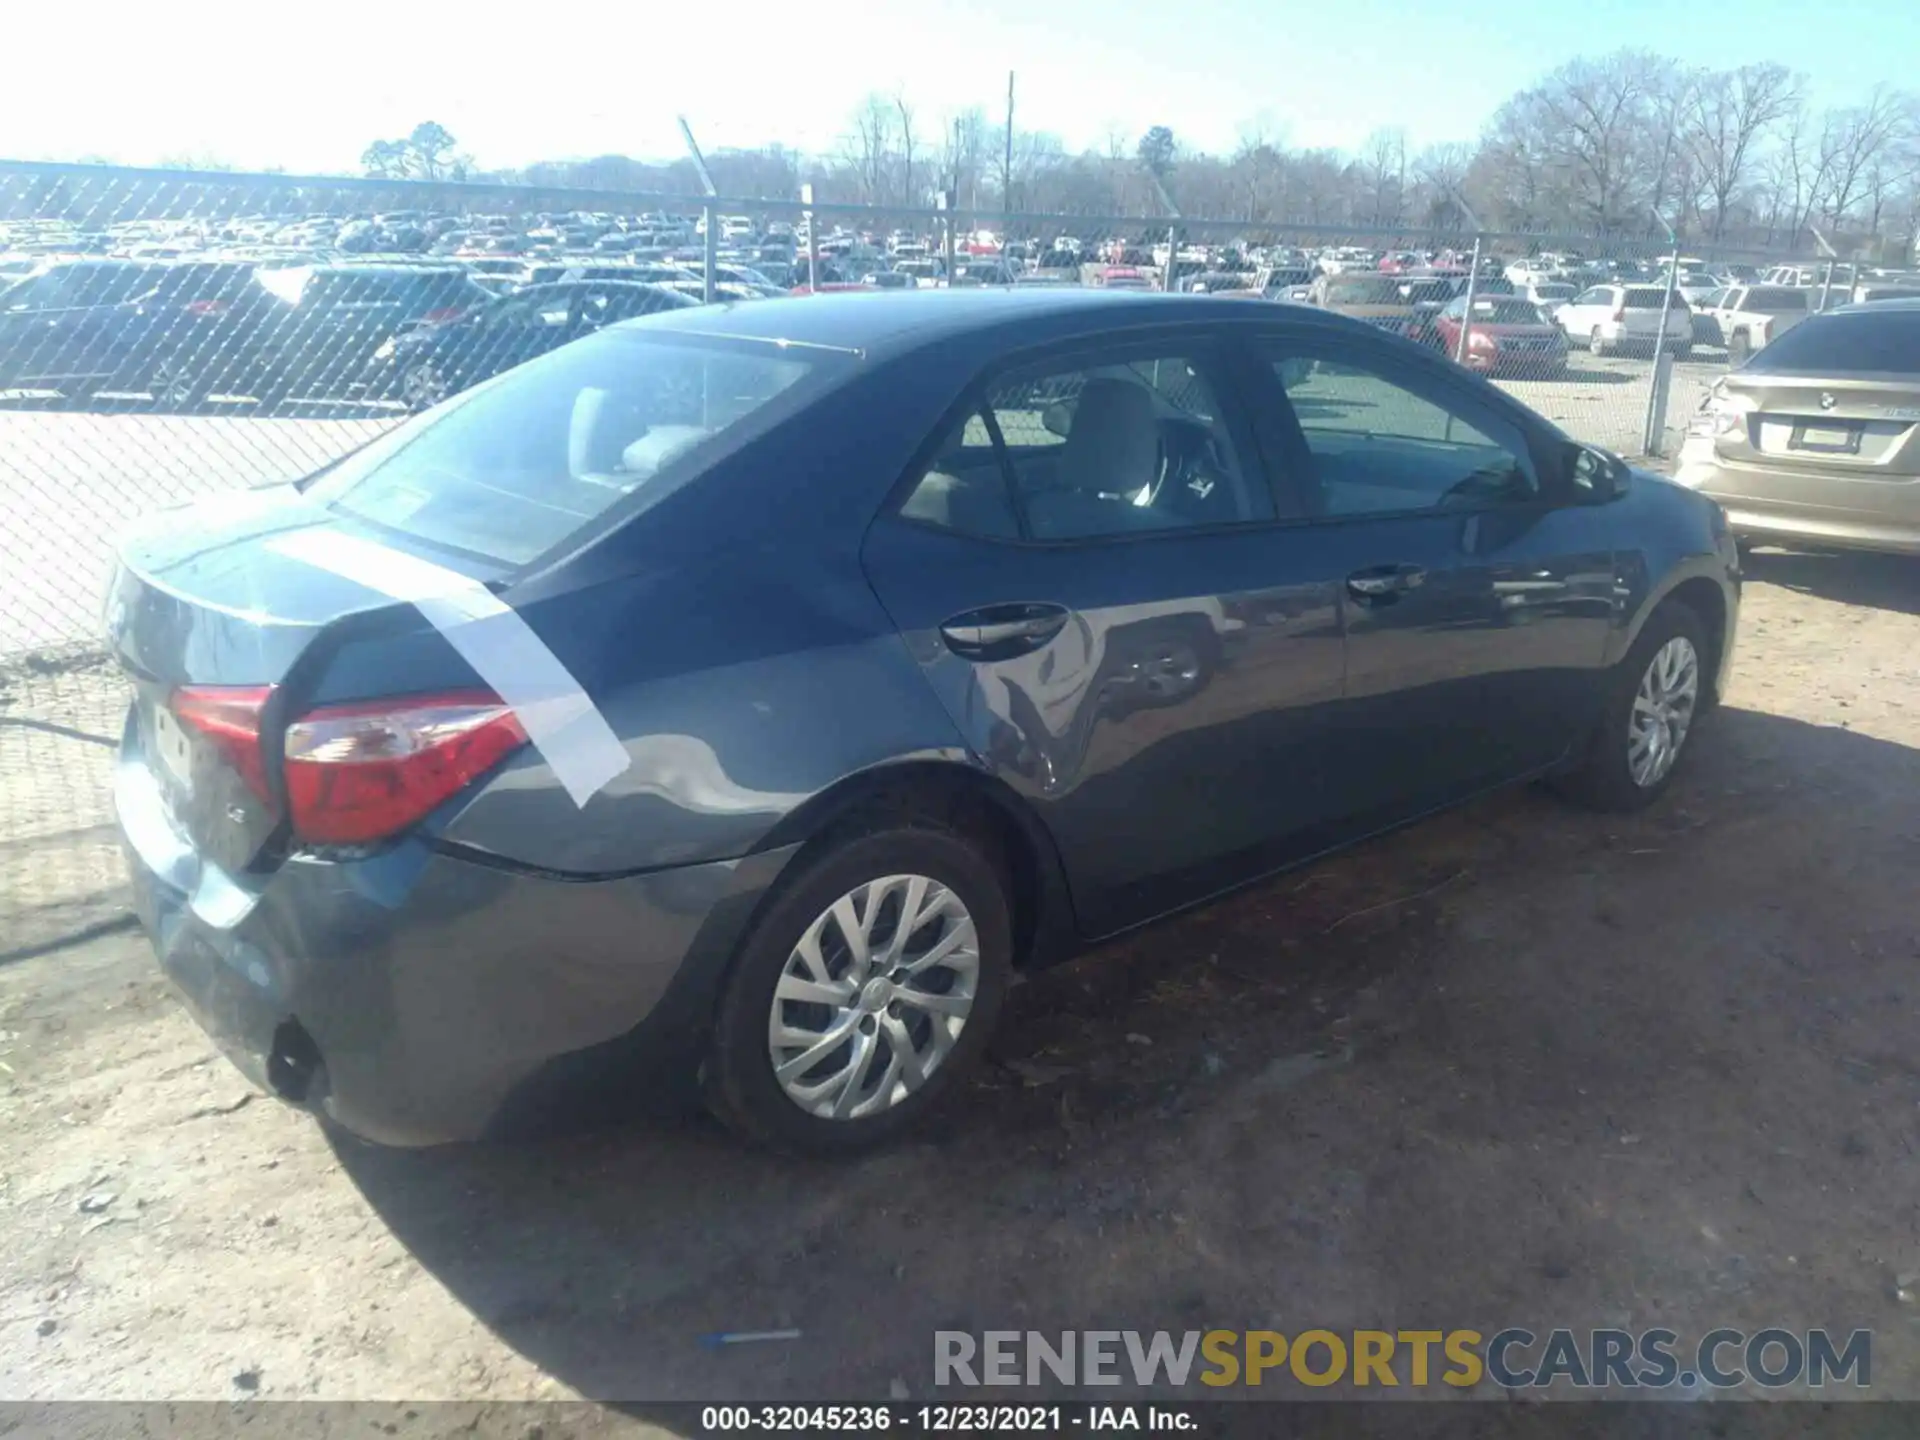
1779 301
1648 297
1378 446
522 463
965 488
1862 343
1092 451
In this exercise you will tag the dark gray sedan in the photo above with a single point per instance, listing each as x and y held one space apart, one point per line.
749 692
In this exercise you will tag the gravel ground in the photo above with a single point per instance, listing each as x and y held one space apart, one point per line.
1517 1065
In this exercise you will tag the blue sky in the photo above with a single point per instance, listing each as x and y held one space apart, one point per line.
307 86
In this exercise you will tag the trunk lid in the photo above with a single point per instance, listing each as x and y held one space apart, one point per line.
1857 427
201 605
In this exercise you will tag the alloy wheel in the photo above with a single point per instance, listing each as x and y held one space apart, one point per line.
423 386
173 388
1663 710
873 997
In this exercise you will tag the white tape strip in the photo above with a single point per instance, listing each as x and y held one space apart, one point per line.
566 726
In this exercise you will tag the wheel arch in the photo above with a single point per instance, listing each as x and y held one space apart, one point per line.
1709 604
965 798
1701 595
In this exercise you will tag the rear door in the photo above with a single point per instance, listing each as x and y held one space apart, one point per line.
1475 597
1122 623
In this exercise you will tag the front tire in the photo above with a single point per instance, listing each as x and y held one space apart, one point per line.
1654 700
871 983
422 386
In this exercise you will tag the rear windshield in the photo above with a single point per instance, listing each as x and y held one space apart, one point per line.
1870 342
197 281
1648 297
412 290
1364 290
1505 312
522 463
78 286
1779 301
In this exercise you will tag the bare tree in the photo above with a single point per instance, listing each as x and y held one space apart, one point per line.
868 149
1383 160
1440 171
1852 142
1729 120
901 108
1595 113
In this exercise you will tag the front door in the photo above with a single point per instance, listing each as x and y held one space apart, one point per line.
1100 587
1476 599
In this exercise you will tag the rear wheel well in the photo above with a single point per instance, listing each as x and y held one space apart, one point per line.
1704 599
953 798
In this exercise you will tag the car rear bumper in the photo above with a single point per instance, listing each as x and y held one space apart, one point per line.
1821 509
417 997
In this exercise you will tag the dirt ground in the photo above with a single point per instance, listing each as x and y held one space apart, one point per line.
1518 1065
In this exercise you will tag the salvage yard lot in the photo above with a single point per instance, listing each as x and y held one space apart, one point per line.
1517 1065
71 481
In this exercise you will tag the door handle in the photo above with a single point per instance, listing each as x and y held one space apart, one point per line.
1003 631
1385 582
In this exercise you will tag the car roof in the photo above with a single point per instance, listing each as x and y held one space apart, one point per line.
880 322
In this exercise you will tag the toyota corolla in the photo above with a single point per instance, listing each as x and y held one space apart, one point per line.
753 691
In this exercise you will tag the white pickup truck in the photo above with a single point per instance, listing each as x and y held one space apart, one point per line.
1751 317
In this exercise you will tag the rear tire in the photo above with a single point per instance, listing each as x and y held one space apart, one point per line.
1671 650
1597 343
892 1019
1739 349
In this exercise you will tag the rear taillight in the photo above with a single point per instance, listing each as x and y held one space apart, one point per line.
1620 312
443 317
205 307
228 718
361 772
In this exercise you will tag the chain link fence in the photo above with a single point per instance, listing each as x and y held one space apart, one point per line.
166 335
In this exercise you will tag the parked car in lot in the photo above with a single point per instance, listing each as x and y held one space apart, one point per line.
312 332
1507 337
651 708
1378 300
1609 318
69 326
1549 295
1747 318
437 358
1816 438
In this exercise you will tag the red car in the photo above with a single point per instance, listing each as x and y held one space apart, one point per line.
1399 262
1508 336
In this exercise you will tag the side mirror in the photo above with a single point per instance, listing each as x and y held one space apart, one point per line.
1598 475
1057 418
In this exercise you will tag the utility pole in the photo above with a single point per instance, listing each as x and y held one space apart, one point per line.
710 211
1006 166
